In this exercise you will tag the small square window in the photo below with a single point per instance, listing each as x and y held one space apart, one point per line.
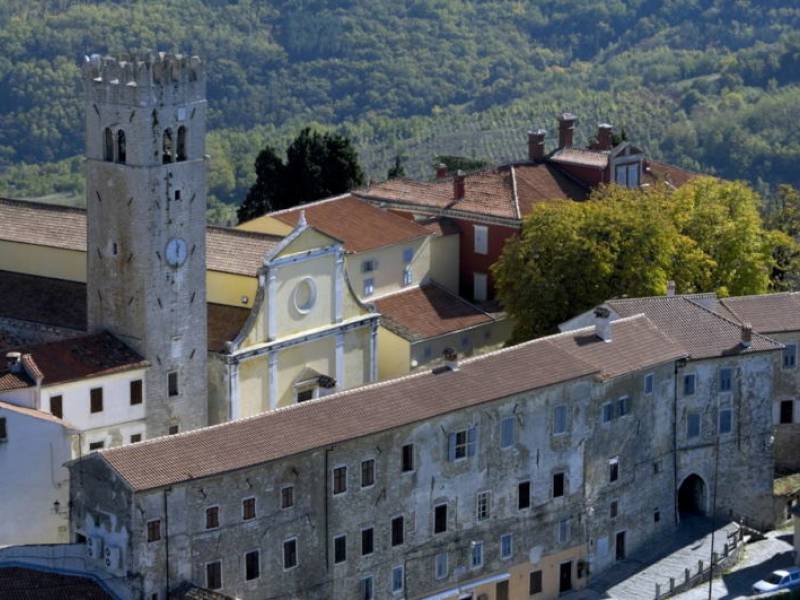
252 565
287 496
398 531
369 265
506 546
339 480
96 445
559 419
483 506
339 549
558 485
688 384
212 517
154 530
507 432
214 575
408 458
290 554
96 399
398 578
408 255
136 438
441 565
367 541
305 395
623 406
524 495
248 509
367 473
692 425
57 406
173 430
476 559
649 383
608 412
440 518
136 392
172 383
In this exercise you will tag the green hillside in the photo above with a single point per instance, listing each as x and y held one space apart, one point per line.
712 85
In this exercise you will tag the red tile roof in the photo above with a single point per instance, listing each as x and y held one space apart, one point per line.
428 311
238 252
224 324
543 182
358 224
584 157
767 313
656 172
10 380
383 406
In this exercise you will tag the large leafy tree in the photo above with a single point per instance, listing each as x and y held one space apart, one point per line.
317 165
706 236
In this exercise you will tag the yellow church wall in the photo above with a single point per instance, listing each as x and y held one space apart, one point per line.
227 288
394 355
310 239
44 261
388 277
321 271
266 224
318 355
356 357
444 261
253 386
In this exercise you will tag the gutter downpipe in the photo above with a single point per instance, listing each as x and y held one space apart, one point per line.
679 364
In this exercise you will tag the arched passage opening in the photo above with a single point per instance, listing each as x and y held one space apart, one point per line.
692 496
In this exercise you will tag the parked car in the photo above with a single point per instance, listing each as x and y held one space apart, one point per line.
782 579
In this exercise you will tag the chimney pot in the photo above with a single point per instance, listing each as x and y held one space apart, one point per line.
536 145
566 129
14 361
458 185
605 133
671 288
441 171
602 323
450 359
747 335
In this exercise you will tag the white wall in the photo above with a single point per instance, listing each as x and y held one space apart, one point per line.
24 397
33 479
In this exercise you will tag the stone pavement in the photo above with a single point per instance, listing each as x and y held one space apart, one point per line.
635 578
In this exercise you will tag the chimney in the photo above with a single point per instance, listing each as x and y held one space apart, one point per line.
671 289
458 185
602 323
450 359
14 361
747 335
604 136
441 171
536 145
566 129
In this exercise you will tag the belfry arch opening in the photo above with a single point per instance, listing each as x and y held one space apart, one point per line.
121 152
180 153
167 147
108 145
692 496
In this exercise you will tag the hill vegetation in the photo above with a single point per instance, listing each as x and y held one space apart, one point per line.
708 84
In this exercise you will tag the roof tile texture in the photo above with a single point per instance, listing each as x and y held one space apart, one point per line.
768 313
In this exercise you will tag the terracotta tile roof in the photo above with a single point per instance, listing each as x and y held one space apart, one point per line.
81 357
428 311
10 380
235 251
767 313
440 226
543 182
581 156
700 331
379 407
356 223
224 324
227 250
656 172
639 344
36 414
55 302
19 583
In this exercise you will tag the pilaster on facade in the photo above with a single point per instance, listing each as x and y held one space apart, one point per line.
272 361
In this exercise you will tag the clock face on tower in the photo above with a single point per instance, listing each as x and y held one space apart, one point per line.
176 252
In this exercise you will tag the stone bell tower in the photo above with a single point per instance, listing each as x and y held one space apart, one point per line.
146 205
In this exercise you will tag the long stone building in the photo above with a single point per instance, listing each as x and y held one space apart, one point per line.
514 474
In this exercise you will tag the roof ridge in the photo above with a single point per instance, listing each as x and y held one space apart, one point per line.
244 232
729 321
514 193
285 211
39 205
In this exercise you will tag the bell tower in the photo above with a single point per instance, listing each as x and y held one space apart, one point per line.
146 205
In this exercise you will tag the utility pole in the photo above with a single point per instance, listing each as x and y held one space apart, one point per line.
713 510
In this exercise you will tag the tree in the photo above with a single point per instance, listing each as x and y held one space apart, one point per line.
317 166
396 171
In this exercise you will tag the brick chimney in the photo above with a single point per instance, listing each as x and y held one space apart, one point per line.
536 145
441 171
458 185
605 133
566 129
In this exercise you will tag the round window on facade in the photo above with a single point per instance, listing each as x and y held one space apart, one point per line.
305 295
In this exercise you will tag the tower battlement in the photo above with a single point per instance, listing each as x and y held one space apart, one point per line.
142 80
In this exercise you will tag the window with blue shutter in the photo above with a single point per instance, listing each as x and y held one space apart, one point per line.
507 432
688 385
790 356
559 419
463 443
725 380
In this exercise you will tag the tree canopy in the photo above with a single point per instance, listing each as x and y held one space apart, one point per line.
707 236
317 165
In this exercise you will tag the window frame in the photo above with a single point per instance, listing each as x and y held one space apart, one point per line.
368 287
781 420
408 276
217 562
793 354
483 506
245 505
342 537
623 406
392 531
535 582
367 533
649 384
95 400
503 554
398 569
725 408
215 507
689 390
153 529
247 554
59 400
336 478
613 469
289 487
407 452
556 409
480 286
136 392
296 553
476 546
173 389
607 412
435 528
372 472
480 239
723 380
441 559
689 419
462 443
563 484
527 484
366 588
507 434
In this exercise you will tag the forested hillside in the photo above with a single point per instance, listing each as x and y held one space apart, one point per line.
712 85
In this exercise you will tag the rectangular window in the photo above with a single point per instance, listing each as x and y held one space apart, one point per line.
725 380
248 509
481 239
535 583
441 565
408 276
790 356
369 265
608 412
656 516
613 510
623 406
559 419
440 518
339 480
339 549
483 506
692 425
621 175
136 438
688 384
408 458
367 541
172 383
563 531
252 565
367 473
408 255
96 445
212 517
725 419
787 411
524 495
506 546
476 561
649 383
305 395
462 444
633 175
290 554
214 575
3 430
57 406
398 531
173 429
287 496
558 485
507 432
613 470
369 286
136 392
154 530
480 286
96 400
367 589
398 575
